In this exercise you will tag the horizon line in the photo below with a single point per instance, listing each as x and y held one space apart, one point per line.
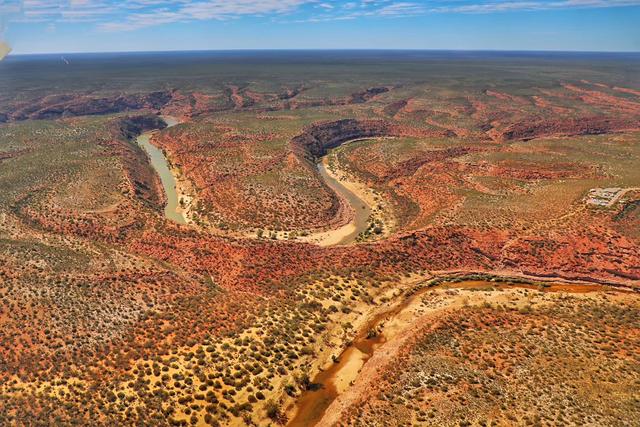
326 50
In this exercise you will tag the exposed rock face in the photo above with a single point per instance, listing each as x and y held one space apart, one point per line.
320 137
131 127
54 107
144 182
291 93
365 95
355 98
567 127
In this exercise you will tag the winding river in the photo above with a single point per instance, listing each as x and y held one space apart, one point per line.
348 233
311 406
344 235
161 165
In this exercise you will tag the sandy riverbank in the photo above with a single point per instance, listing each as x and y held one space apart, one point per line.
384 333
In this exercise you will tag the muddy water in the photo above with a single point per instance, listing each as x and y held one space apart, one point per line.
360 207
161 165
329 383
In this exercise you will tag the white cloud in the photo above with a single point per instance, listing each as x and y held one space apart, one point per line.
516 5
199 11
122 15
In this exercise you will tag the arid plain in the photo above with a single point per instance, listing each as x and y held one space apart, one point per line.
328 238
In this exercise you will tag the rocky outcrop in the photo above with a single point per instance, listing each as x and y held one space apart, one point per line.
366 95
567 127
291 93
131 127
355 98
318 138
81 105
143 181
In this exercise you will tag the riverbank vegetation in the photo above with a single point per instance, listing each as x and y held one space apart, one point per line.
112 314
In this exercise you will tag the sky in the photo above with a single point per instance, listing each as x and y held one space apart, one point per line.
58 26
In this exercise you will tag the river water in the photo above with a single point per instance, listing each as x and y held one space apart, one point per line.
360 207
348 233
161 165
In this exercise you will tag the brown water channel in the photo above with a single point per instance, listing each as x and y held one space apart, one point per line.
312 404
361 208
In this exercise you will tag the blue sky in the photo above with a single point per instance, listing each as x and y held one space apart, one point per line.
35 26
